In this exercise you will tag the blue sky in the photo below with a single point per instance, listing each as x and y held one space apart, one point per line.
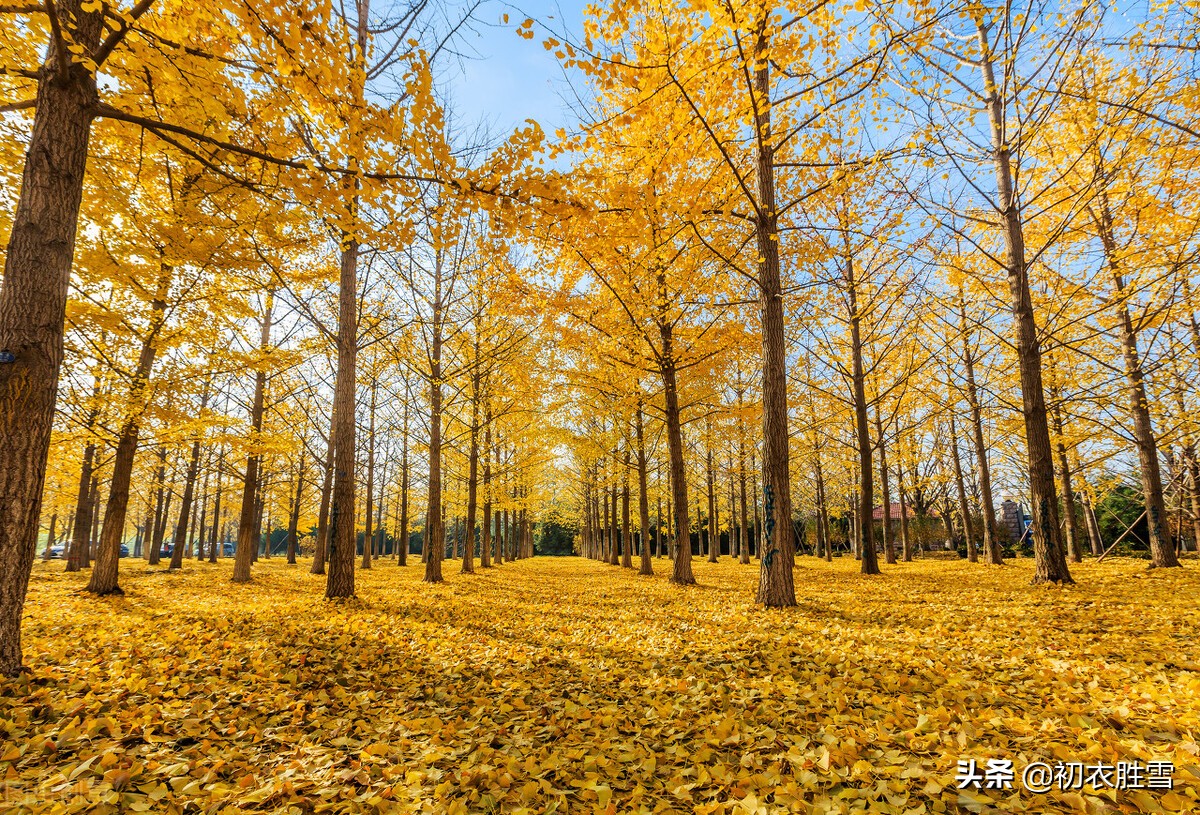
505 79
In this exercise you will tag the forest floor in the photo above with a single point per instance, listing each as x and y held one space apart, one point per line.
563 685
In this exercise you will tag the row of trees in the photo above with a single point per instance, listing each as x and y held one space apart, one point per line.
797 261
967 236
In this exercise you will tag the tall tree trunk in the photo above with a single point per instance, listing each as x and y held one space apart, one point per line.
485 544
643 499
964 507
203 533
775 583
745 533
905 539
321 544
160 522
991 542
189 489
155 534
1162 553
33 303
402 555
866 485
85 505
216 542
714 529
247 542
294 514
889 546
468 564
108 551
626 528
94 541
1064 472
682 571
368 529
436 534
1050 563
614 549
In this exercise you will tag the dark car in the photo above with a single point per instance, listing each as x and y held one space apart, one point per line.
124 550
227 549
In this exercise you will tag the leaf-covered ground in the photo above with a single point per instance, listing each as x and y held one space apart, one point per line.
570 686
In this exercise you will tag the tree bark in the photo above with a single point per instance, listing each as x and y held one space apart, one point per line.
681 574
1050 563
321 544
368 529
189 490
1162 553
964 507
85 505
646 567
435 531
775 583
889 546
33 302
247 543
294 514
866 485
991 543
468 564
402 554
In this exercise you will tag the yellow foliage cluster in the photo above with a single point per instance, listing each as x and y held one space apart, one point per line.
569 686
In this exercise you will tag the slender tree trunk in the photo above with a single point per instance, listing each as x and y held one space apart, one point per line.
1050 563
247 542
866 486
189 489
757 517
215 541
104 574
1162 553
50 536
646 567
1064 473
905 539
714 529
202 536
155 520
85 505
33 302
321 543
626 528
368 529
436 534
485 545
468 564
964 508
889 546
744 534
166 493
991 542
402 559
682 572
294 515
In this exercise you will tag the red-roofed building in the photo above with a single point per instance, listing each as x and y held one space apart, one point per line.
877 514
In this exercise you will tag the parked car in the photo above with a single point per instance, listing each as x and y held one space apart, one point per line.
227 549
59 551
124 550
